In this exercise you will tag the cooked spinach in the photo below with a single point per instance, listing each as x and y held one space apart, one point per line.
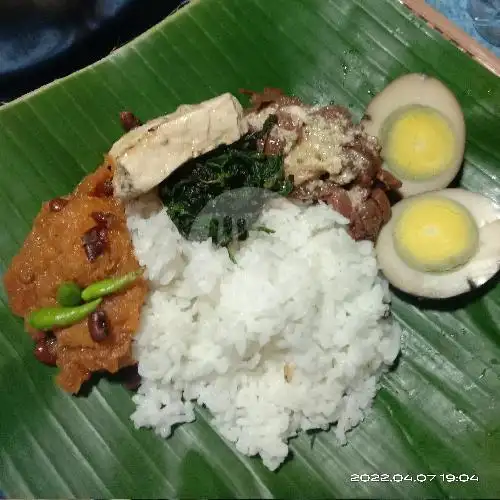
212 196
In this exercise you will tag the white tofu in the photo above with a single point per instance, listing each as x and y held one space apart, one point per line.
148 154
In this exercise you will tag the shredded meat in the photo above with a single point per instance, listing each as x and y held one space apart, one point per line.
364 203
339 200
366 221
369 158
273 146
388 180
270 95
334 112
354 183
53 253
367 208
380 198
287 121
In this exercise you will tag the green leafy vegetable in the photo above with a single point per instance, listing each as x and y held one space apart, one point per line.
220 195
47 318
110 285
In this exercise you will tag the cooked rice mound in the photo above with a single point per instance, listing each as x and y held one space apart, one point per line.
293 336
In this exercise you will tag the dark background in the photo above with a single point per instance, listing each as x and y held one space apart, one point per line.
41 40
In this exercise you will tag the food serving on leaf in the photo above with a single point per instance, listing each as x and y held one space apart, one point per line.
235 255
81 238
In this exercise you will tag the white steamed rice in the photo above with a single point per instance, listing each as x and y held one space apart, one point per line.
220 334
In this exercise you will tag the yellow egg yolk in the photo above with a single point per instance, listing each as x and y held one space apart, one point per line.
418 143
435 234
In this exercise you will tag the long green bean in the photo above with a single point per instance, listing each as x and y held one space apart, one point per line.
47 318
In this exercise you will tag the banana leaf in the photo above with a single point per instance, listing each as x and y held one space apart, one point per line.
434 430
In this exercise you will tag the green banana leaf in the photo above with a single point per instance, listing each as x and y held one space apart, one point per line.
437 413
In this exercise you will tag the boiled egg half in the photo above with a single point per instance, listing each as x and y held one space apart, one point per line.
421 129
441 244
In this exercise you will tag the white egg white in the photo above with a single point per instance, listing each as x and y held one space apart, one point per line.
421 90
481 268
